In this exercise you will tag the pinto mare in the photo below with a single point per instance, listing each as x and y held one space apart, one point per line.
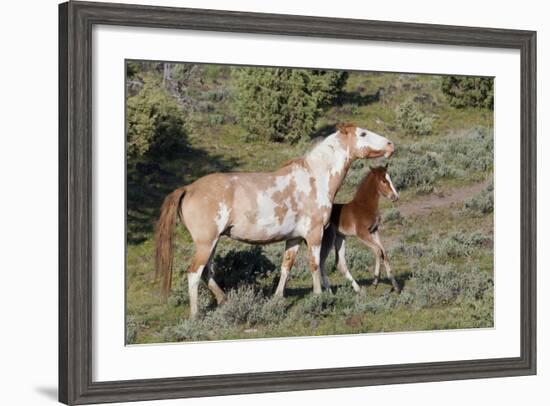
360 218
290 204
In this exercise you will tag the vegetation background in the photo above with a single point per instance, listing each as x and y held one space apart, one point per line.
187 120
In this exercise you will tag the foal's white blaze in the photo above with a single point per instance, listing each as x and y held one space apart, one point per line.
391 185
222 217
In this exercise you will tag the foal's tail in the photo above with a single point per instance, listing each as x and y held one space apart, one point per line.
164 235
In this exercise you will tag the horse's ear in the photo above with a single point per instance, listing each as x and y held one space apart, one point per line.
345 127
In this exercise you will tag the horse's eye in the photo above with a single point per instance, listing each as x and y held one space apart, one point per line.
363 134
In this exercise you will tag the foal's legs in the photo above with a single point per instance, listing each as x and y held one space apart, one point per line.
373 241
291 249
389 272
194 272
340 247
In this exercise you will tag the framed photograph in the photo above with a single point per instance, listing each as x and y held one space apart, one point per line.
258 202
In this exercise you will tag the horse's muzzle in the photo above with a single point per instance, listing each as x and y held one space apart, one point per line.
390 148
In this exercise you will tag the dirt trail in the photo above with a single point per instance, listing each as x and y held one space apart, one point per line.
426 204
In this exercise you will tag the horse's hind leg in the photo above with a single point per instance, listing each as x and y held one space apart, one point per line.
212 285
340 247
194 272
291 249
376 238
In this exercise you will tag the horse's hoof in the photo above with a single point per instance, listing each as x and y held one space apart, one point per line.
375 283
362 292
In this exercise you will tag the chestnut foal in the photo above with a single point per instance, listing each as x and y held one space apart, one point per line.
360 218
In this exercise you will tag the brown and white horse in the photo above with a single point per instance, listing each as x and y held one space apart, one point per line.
360 218
291 204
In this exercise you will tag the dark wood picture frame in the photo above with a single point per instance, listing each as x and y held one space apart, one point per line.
76 20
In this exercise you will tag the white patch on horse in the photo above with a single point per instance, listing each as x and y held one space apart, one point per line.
193 278
339 160
302 226
302 178
316 252
289 221
370 139
266 217
391 184
281 183
222 217
329 157
323 197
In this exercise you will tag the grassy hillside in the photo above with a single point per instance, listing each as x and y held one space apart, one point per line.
439 234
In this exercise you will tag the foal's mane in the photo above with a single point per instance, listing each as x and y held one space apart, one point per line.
371 173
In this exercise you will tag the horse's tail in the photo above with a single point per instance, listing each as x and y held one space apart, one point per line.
164 235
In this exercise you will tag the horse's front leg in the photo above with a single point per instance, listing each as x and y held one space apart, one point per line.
314 249
291 249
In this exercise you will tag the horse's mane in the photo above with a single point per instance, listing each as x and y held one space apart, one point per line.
302 159
299 161
344 127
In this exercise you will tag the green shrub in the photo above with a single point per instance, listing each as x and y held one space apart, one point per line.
218 94
408 250
187 330
437 283
418 170
358 260
318 305
280 104
385 302
467 91
272 311
393 215
154 121
241 304
412 120
482 203
245 307
471 153
458 245
131 330
216 119
342 302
